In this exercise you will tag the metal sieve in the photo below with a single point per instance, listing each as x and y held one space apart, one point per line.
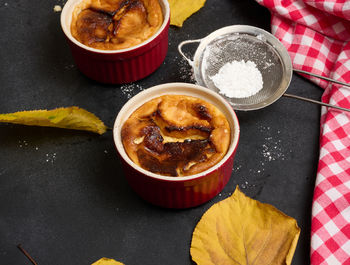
241 42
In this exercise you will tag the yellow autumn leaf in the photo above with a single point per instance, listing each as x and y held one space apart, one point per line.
69 118
243 231
180 10
107 261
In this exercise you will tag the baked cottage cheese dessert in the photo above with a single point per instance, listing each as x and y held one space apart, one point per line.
115 24
176 135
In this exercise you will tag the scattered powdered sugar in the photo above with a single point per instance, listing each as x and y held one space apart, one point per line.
50 157
70 66
22 143
272 149
238 79
130 90
261 37
186 71
268 64
246 185
57 8
25 144
214 54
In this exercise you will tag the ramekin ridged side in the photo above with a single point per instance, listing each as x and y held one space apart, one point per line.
181 194
177 192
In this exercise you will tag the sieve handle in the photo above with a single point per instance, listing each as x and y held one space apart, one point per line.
179 47
322 77
315 102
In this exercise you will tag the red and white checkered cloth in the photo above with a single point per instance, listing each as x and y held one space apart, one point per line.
316 34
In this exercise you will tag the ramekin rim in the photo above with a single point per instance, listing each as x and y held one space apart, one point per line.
68 34
230 152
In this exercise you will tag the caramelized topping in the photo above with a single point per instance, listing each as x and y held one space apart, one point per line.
153 139
93 26
195 127
117 24
202 112
174 156
159 143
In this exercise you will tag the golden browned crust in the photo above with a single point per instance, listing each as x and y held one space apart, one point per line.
115 24
176 135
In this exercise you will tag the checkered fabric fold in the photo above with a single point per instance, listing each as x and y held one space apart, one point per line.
316 34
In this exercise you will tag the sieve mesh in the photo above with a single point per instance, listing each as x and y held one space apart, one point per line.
237 46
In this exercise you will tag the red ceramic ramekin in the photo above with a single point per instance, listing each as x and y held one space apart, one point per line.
177 192
118 66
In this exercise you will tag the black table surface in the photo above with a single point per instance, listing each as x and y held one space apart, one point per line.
63 195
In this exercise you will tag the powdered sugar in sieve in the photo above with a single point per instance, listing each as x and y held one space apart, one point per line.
239 43
243 44
238 79
231 48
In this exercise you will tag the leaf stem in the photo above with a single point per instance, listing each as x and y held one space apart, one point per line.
26 254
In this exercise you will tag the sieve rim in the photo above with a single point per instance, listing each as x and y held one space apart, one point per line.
270 40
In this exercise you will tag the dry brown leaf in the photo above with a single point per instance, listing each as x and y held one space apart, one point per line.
68 118
180 10
107 261
240 230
